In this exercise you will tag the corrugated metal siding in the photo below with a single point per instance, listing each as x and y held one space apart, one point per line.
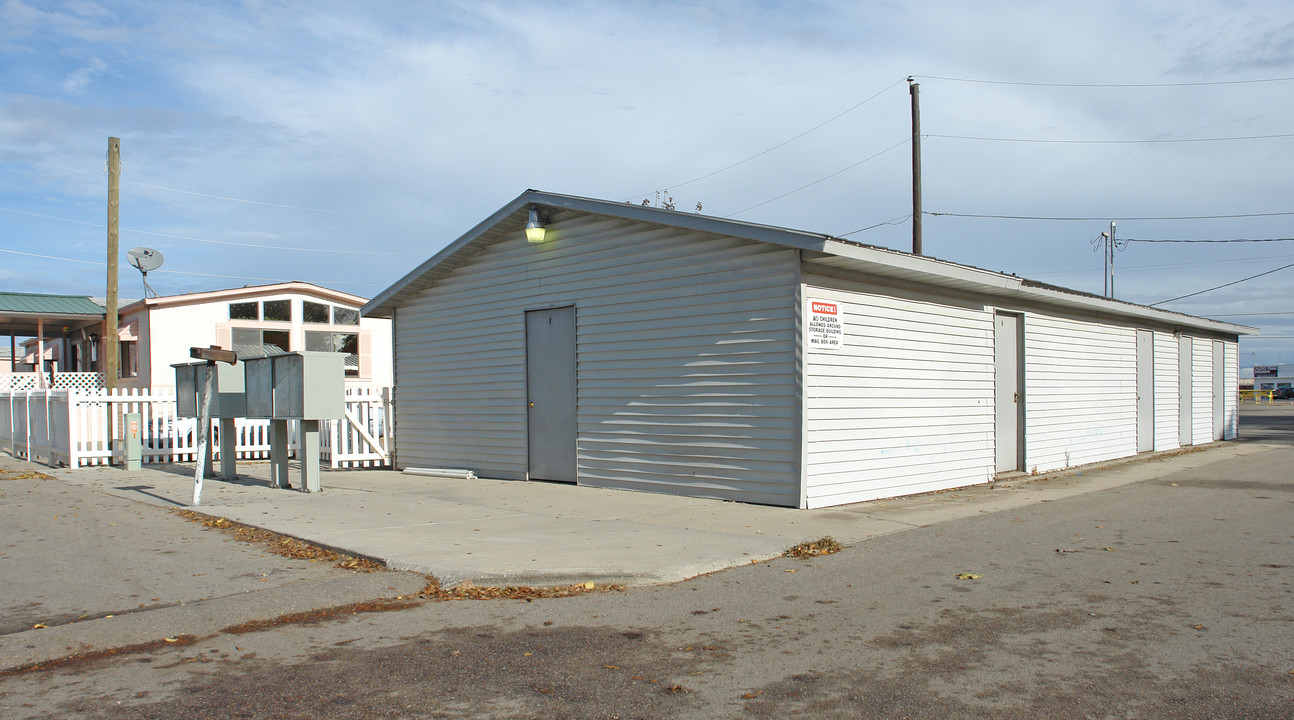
1080 392
1202 397
685 359
1232 396
906 406
1167 391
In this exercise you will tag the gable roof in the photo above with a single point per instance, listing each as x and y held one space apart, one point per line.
818 249
20 313
246 292
41 304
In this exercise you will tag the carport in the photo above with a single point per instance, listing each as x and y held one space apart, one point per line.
76 320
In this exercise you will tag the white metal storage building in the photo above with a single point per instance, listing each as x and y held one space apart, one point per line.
655 350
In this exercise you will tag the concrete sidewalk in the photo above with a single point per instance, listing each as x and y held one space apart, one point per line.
496 532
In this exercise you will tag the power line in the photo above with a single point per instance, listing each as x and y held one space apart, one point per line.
1252 314
1219 287
1110 142
207 195
781 144
1107 85
1237 240
893 221
206 240
904 141
1109 217
52 257
185 272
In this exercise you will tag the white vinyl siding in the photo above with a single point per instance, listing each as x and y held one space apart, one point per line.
1202 397
685 356
906 406
1231 398
1080 392
1166 391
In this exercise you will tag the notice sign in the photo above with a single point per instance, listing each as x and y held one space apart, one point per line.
825 326
1265 371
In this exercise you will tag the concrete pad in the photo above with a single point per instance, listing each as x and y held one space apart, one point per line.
500 532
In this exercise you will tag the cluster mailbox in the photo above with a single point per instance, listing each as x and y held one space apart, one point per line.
228 399
304 386
296 386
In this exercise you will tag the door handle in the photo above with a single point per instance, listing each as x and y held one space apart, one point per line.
532 404
1015 397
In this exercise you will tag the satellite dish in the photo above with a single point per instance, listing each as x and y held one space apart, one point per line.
145 258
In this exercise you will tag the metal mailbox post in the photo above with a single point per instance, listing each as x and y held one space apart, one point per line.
303 386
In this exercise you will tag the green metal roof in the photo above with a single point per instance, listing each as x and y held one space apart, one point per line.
38 304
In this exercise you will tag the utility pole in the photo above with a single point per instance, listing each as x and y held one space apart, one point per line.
110 344
1110 249
914 89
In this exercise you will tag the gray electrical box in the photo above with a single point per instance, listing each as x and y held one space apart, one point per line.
296 386
228 400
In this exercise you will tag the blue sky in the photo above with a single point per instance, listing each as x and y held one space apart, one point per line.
343 143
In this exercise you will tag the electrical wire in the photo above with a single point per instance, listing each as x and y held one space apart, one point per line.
1219 287
206 195
1106 85
206 240
185 272
1108 142
781 144
1108 217
822 179
52 257
1237 240
893 221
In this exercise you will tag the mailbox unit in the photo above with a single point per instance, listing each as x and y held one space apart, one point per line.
296 386
228 399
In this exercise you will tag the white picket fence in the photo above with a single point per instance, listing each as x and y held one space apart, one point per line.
74 428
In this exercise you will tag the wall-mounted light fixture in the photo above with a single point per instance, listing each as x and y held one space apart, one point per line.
535 226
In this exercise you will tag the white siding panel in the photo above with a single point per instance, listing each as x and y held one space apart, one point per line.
1202 397
1166 391
1232 394
906 406
685 359
1080 392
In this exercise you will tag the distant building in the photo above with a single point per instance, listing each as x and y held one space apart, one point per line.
255 320
1273 377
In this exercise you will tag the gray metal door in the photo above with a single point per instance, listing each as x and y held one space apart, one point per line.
550 394
1007 392
1186 391
1145 391
1219 391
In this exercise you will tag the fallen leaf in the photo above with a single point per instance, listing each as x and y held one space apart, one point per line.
38 626
1108 549
589 585
968 576
611 667
176 640
750 695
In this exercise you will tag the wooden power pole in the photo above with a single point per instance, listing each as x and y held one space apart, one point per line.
110 344
914 89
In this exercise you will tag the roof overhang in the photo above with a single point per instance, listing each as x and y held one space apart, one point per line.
244 293
819 249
